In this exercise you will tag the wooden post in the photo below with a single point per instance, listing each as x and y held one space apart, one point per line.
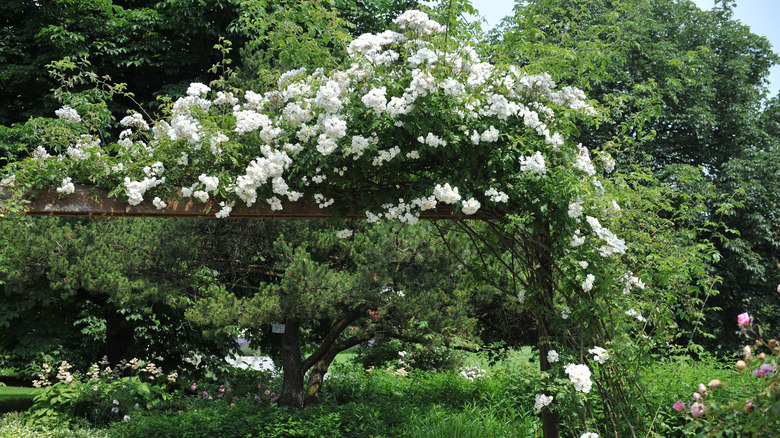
550 418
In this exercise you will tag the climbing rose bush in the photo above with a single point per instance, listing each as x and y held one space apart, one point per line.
430 125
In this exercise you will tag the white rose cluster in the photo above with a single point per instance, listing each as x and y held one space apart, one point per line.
579 375
419 22
612 244
600 354
542 400
470 206
344 234
534 164
446 194
68 114
67 187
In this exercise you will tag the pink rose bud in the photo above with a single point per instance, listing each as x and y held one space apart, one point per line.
743 319
696 396
748 352
679 406
702 388
697 409
749 406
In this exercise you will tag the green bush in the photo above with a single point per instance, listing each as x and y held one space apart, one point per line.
102 399
240 419
408 356
13 426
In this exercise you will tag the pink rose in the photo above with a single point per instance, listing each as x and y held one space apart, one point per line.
697 409
679 406
743 319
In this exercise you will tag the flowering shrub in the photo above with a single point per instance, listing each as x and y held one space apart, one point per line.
102 395
758 413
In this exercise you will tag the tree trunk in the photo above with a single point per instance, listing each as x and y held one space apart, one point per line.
119 335
317 377
292 366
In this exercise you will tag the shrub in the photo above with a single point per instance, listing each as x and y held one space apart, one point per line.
103 398
408 356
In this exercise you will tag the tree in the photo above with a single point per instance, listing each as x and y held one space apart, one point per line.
699 75
102 287
154 46
334 290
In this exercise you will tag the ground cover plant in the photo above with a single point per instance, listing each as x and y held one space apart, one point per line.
382 402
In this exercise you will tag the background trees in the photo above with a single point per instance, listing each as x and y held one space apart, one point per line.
79 289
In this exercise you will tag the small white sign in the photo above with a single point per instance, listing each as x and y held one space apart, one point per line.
277 328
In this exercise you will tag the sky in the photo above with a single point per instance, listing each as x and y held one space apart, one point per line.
762 16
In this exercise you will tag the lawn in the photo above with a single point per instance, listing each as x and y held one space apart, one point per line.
15 398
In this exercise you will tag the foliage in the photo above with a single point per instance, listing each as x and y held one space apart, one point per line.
105 397
699 75
374 404
417 121
372 16
11 425
107 287
125 39
678 86
751 407
407 356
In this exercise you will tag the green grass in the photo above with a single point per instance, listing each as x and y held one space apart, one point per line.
15 398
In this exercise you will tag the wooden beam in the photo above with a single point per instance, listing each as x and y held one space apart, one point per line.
94 202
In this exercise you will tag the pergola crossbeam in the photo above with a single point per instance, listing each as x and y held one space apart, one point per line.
95 202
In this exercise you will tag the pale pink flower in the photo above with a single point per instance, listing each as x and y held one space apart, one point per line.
697 409
743 319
